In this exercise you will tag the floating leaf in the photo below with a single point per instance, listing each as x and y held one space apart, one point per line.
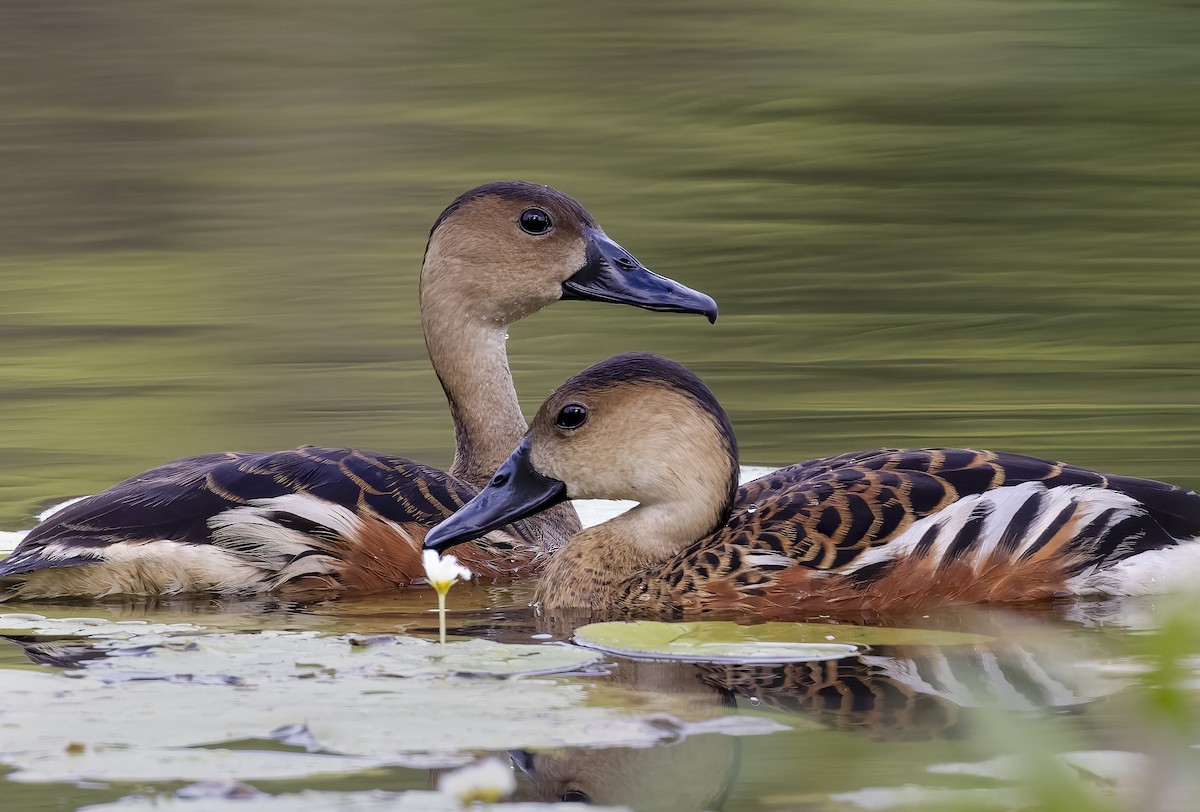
709 641
272 655
109 719
133 764
373 801
41 627
725 641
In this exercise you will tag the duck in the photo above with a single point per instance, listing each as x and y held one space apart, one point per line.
889 530
332 520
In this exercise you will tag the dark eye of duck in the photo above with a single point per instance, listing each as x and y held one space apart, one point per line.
574 796
572 416
535 221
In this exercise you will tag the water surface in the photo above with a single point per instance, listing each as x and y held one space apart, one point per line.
941 223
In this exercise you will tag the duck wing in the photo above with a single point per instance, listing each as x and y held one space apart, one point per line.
891 527
826 512
255 522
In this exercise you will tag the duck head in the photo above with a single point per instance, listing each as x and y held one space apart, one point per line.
505 250
636 427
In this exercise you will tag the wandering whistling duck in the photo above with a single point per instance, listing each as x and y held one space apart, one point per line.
335 519
872 531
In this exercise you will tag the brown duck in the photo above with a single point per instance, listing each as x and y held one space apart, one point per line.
871 531
335 519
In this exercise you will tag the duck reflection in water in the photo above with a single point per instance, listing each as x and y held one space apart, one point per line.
887 693
684 771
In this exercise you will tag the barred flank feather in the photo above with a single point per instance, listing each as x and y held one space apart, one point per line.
906 530
310 519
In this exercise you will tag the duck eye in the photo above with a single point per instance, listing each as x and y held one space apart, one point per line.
574 796
535 221
572 416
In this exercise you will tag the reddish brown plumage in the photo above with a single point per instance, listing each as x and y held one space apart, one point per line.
382 557
909 585
815 521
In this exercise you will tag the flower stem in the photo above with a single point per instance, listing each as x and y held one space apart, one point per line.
442 619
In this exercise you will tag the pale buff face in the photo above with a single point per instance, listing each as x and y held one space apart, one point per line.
481 258
642 440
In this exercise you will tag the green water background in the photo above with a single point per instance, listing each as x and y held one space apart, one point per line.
948 222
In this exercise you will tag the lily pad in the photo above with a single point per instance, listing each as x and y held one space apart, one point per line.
270 655
351 715
708 641
182 764
373 801
339 697
40 627
725 641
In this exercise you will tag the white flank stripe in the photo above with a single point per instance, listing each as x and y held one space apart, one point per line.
251 533
342 520
765 559
1004 504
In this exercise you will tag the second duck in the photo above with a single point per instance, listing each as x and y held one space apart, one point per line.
878 530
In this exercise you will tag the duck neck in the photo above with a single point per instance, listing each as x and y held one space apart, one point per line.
471 361
601 567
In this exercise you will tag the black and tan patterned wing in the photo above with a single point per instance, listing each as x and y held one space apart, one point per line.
809 471
824 515
826 512
177 502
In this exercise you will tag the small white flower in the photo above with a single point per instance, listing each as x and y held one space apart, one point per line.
443 572
489 781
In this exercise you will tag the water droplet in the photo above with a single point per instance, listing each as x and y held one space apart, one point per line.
830 637
542 636
752 508
754 700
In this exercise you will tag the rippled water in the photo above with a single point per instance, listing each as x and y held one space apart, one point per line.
967 222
